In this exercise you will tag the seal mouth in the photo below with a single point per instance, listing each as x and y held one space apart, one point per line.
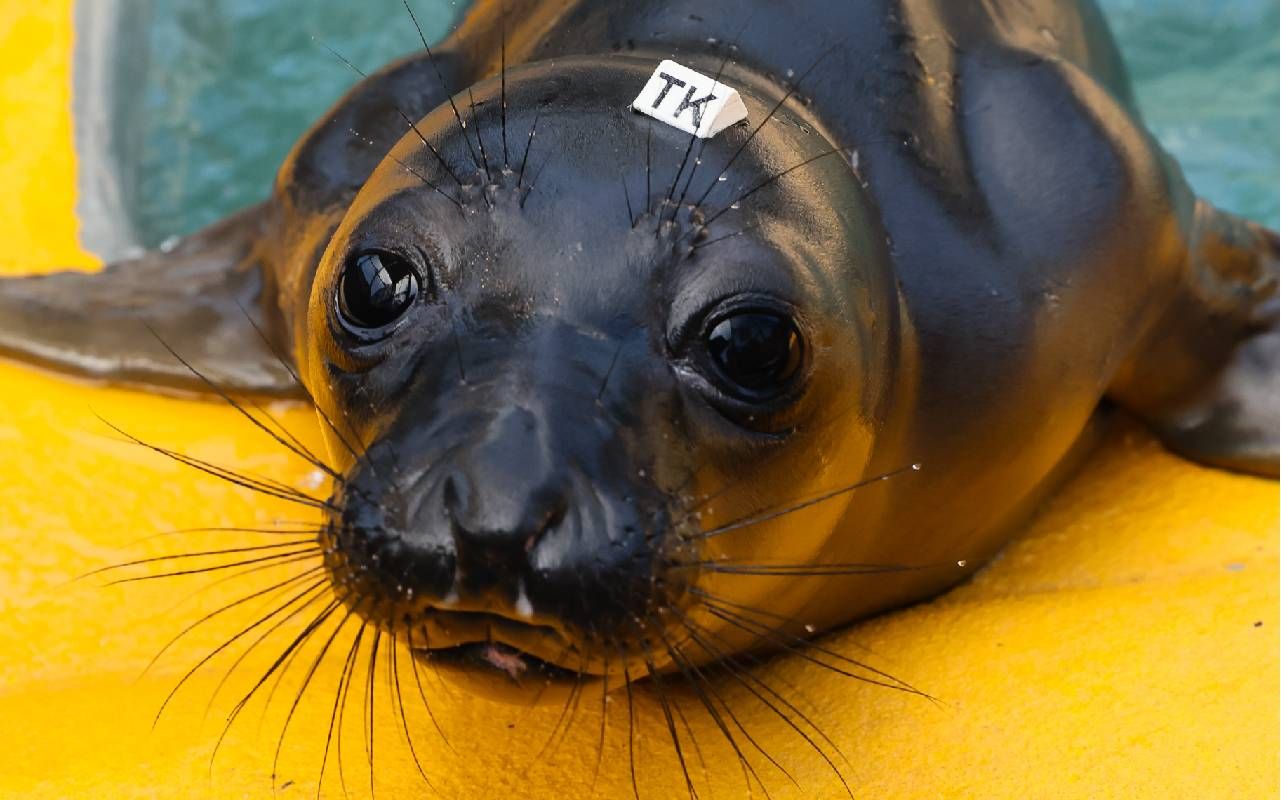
499 646
503 660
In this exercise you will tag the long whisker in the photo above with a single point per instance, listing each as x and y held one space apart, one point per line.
320 592
422 695
369 706
416 173
283 658
289 368
413 126
228 643
803 649
502 73
524 159
759 517
302 689
282 558
752 136
444 87
480 140
604 719
394 658
348 675
229 400
665 705
179 556
707 698
631 728
742 676
265 486
223 609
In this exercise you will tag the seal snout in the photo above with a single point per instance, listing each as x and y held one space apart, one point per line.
506 538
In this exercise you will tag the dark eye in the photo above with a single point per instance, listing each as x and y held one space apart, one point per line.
758 352
375 289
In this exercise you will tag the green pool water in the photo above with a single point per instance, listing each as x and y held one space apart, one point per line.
224 87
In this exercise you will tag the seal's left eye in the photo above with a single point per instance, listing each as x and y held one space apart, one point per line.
757 352
375 289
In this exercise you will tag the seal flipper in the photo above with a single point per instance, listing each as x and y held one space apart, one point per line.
202 297
1206 377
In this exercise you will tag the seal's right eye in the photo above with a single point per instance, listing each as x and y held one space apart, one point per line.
375 289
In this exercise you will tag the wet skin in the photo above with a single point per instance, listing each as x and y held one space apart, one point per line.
609 401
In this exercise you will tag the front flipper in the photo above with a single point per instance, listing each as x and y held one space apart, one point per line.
1205 378
202 298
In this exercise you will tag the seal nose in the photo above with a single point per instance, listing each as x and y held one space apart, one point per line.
502 496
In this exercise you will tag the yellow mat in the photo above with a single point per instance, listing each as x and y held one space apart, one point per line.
1125 646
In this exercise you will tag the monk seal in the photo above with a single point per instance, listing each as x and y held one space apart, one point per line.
604 398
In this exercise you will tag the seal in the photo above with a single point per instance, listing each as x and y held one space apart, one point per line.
605 397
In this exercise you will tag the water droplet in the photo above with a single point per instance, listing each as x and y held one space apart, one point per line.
916 467
961 563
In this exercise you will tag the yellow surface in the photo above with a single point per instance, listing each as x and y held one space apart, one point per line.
1126 646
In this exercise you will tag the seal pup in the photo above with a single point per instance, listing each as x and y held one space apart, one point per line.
604 398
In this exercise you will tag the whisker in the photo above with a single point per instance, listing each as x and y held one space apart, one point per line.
277 625
604 718
444 87
667 715
804 570
707 700
179 573
229 400
237 575
295 532
263 486
631 727
178 556
765 183
422 695
369 706
291 648
524 160
340 702
289 368
228 643
223 609
766 516
302 689
394 658
413 126
502 76
627 198
416 173
803 649
484 159
791 91
740 675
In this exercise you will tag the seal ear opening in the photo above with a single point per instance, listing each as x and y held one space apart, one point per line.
202 298
1206 377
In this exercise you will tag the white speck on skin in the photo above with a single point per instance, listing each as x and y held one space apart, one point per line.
524 608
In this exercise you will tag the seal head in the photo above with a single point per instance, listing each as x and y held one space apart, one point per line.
552 364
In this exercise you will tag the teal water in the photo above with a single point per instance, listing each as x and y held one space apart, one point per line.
230 84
